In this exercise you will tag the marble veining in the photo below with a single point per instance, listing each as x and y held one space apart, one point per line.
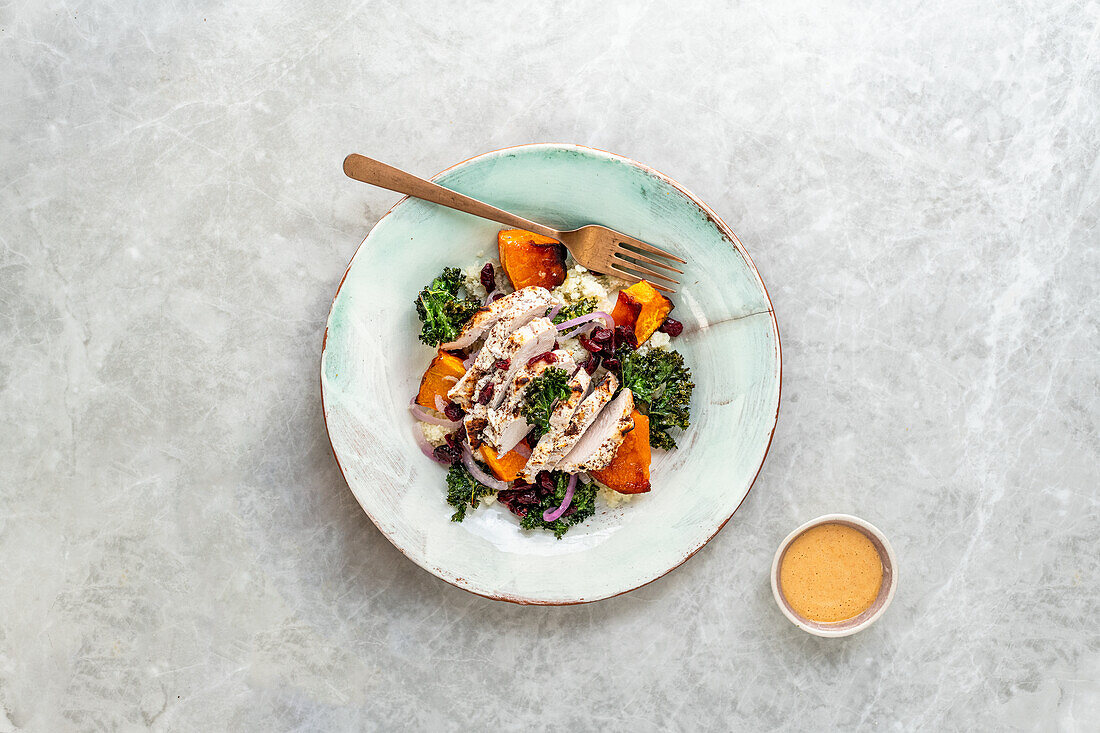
918 184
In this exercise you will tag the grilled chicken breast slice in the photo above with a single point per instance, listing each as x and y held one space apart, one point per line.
598 444
537 337
514 309
502 343
507 426
465 390
578 388
558 441
475 422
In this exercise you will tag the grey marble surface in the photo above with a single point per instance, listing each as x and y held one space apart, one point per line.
918 183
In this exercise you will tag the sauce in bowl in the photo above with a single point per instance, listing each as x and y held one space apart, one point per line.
831 573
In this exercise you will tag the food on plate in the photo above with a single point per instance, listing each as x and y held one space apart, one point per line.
642 308
544 392
442 374
662 384
628 472
539 505
531 259
505 467
602 438
549 386
441 310
509 313
463 490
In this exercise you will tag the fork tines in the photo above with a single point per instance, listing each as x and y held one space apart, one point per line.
632 256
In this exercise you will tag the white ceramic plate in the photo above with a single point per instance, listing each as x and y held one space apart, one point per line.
371 364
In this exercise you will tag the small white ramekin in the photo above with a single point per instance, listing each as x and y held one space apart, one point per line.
885 593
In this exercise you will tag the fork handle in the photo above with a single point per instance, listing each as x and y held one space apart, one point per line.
367 170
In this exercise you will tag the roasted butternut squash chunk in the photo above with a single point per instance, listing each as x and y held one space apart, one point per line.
506 467
531 259
643 307
435 381
628 472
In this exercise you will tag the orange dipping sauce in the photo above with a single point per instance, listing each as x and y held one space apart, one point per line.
831 572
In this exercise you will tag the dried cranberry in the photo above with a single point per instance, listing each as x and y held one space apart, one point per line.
591 363
588 344
457 353
545 480
625 335
507 497
544 356
454 412
486 394
672 327
488 281
497 296
453 438
446 454
601 335
520 499
502 364
612 363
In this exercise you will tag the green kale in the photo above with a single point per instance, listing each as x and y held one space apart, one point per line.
578 309
544 391
583 506
463 491
441 310
662 389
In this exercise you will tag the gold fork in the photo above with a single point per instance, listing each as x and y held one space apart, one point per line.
595 247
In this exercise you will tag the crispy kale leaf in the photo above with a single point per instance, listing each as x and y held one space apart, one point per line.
580 308
580 508
463 491
441 310
539 399
662 388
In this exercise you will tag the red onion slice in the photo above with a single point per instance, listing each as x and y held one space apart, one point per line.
584 330
523 449
440 404
553 312
451 378
607 319
480 476
422 416
422 443
551 514
489 296
470 360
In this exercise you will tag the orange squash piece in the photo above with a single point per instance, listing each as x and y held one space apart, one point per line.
506 467
531 259
628 472
435 382
643 307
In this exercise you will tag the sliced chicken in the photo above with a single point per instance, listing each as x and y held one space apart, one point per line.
542 336
578 388
528 372
465 390
475 422
514 310
502 355
507 426
603 437
559 440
